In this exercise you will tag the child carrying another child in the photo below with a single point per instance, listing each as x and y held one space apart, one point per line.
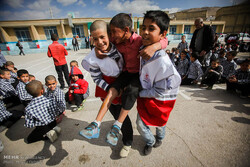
194 73
54 92
128 44
78 90
40 113
160 83
104 72
24 96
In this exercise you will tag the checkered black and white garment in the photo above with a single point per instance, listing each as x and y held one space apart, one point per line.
58 96
40 112
4 114
6 89
22 92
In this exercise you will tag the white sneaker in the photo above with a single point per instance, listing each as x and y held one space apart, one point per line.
57 129
125 151
1 146
52 135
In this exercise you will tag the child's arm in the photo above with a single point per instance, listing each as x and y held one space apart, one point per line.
49 52
65 51
83 87
22 93
29 120
150 50
200 73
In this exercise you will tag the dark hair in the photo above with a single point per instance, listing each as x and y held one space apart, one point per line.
222 51
215 60
34 88
49 78
2 71
122 20
54 37
159 17
195 55
233 53
184 52
21 72
8 63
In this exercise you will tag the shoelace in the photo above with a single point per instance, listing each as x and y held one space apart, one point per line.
91 126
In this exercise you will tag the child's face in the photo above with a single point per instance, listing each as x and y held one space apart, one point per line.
10 67
244 66
183 56
229 57
74 77
150 32
6 75
31 78
192 59
73 64
101 39
24 78
117 34
183 39
51 84
214 64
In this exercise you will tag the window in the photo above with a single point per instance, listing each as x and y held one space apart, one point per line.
214 28
23 34
172 30
78 30
50 30
187 29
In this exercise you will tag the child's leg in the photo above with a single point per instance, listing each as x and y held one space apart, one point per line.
65 71
60 76
160 134
78 99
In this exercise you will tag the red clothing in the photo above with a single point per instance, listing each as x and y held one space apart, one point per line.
58 52
154 112
80 86
130 51
99 92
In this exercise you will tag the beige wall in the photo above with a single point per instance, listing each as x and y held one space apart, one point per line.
12 34
85 29
41 32
59 31
68 31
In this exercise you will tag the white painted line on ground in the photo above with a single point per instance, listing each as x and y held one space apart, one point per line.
184 96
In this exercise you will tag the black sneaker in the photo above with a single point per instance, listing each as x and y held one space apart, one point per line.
147 150
157 143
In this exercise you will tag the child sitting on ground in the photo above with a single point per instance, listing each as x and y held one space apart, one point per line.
24 96
78 90
229 66
212 74
54 92
13 72
222 55
194 73
182 64
240 80
40 113
160 83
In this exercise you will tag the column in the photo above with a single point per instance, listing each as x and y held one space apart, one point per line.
35 35
6 37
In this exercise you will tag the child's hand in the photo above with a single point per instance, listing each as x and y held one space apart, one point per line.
211 70
99 54
195 81
10 68
121 91
147 52
71 91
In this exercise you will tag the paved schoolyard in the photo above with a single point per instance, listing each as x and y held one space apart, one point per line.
206 128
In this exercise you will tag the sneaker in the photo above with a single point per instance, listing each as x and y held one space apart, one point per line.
52 135
113 135
157 143
82 104
209 88
125 151
91 131
147 150
57 129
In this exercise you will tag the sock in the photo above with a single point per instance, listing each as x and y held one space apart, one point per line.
118 124
98 123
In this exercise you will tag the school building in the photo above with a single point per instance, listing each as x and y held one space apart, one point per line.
35 35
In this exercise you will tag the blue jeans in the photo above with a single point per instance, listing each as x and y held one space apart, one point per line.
146 133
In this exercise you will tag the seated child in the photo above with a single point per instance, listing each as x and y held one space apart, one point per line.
240 80
182 64
194 72
40 113
183 45
8 92
104 72
2 60
23 95
31 77
222 55
13 72
54 92
174 56
78 90
212 74
159 86
229 66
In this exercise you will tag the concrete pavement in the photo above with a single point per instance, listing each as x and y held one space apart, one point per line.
206 128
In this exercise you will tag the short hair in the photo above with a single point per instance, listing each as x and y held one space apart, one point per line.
21 72
122 20
159 17
222 51
183 36
9 63
98 24
74 61
49 78
199 19
195 55
215 60
30 75
233 53
174 49
184 52
54 37
3 71
34 88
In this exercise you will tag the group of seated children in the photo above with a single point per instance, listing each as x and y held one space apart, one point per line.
222 69
43 109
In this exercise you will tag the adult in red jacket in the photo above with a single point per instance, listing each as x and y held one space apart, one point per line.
78 90
58 52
